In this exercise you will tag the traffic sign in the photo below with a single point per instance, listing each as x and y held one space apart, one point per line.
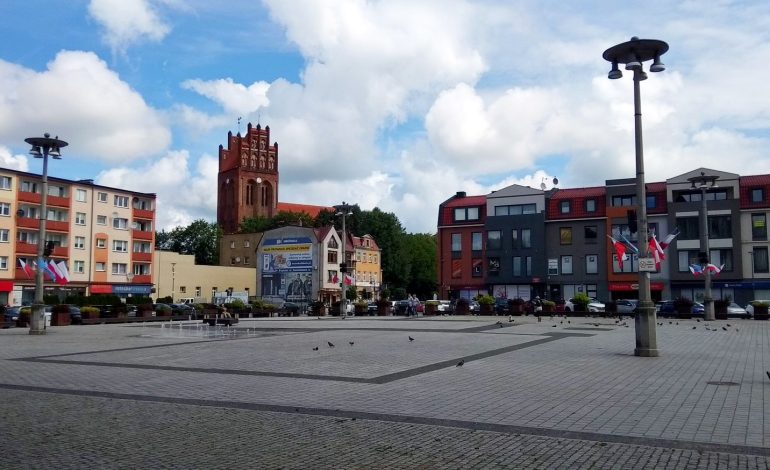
647 265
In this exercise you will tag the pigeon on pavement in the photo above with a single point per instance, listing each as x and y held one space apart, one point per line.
351 343
459 364
411 339
694 327
315 348
768 374
724 328
330 344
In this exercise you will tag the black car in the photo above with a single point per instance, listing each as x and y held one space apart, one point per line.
10 316
76 318
501 306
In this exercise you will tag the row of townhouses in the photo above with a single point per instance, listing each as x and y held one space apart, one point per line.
524 242
105 237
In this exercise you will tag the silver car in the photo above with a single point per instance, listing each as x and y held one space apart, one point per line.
735 310
627 306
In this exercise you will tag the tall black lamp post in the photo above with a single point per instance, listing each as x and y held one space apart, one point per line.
42 147
344 210
704 182
633 54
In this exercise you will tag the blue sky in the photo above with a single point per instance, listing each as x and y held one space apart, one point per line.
396 104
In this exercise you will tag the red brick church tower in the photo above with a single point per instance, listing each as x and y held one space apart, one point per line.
248 178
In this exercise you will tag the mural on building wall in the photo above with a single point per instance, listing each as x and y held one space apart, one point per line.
287 267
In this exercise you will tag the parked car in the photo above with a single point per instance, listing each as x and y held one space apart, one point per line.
665 308
594 306
474 307
698 309
501 306
750 307
735 310
444 306
627 306
11 315
401 307
183 309
371 308
76 318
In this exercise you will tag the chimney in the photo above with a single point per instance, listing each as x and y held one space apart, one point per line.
460 194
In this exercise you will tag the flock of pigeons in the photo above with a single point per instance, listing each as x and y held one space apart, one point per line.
618 322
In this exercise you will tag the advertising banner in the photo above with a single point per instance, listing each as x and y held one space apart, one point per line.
287 267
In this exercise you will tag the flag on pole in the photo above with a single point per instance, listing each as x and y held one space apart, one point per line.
63 268
669 238
56 272
336 279
656 249
696 269
46 270
25 267
348 280
629 244
714 269
620 251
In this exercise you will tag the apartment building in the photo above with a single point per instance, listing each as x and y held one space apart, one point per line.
105 236
518 238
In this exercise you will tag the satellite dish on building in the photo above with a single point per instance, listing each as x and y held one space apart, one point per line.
555 181
542 183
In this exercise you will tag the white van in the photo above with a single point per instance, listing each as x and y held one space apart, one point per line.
187 300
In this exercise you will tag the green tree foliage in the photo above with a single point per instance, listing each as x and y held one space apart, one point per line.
200 238
419 249
389 235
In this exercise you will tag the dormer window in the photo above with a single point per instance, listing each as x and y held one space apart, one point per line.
466 213
564 207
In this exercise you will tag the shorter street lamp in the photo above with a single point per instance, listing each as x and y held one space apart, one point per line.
705 182
344 210
42 147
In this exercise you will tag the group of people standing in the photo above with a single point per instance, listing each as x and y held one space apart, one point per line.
411 309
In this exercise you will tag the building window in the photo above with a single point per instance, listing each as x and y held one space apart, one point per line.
5 209
526 238
758 227
590 234
592 264
4 263
182 289
565 235
331 257
120 245
80 218
494 240
757 194
620 201
720 226
652 202
590 205
566 264
332 275
476 241
722 258
142 247
232 244
80 243
564 207
80 267
99 266
101 220
517 209
101 197
121 224
198 291
80 195
517 266
493 266
4 235
245 260
119 268
5 182
101 242
246 244
466 213
528 262
515 238
630 265
688 228
121 201
686 258
457 244
760 260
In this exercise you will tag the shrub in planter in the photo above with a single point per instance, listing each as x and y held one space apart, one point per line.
549 306
462 307
384 307
145 310
720 309
89 313
760 309
516 306
611 307
683 307
24 316
486 304
580 302
60 315
431 306
318 308
361 308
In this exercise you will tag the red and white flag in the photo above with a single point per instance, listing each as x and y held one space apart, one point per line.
25 267
656 251
63 270
348 280
669 238
620 251
336 279
57 272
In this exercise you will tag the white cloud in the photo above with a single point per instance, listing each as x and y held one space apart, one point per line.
14 162
85 103
183 195
233 97
127 22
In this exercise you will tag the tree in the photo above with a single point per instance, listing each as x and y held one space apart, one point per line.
420 251
388 233
200 238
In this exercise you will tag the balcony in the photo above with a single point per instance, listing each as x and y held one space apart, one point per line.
24 248
50 225
142 279
143 214
137 256
141 235
35 198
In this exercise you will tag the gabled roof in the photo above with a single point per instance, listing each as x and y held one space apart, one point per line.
576 193
297 208
723 175
466 201
516 190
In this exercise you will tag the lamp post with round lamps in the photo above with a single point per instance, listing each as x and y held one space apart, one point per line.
633 54
42 147
704 182
344 210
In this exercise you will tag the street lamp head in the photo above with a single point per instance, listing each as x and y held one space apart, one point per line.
634 63
36 152
615 73
657 65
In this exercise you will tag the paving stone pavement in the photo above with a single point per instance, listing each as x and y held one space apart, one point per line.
561 393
